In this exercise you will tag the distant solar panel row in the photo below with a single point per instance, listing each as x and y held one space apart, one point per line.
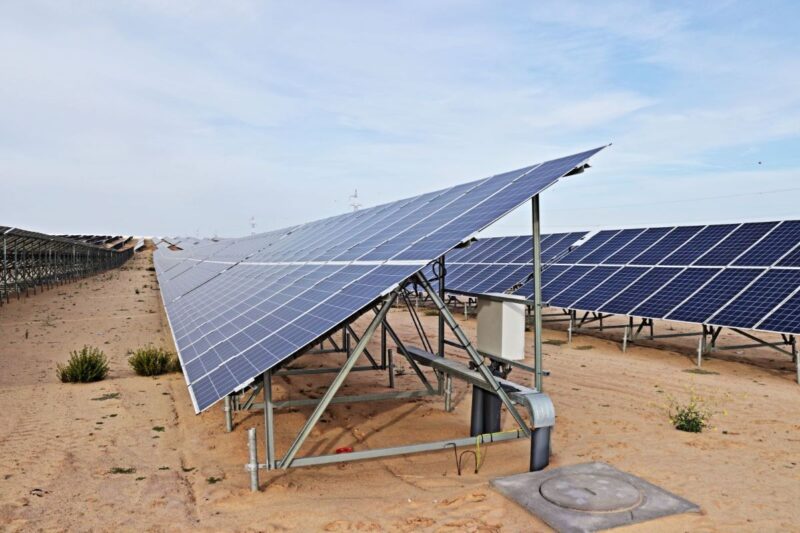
238 307
733 275
498 264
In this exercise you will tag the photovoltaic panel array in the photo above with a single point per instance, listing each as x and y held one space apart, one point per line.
238 307
497 264
743 276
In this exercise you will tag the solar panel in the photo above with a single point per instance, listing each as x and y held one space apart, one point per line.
734 244
674 292
727 295
773 247
698 245
498 264
624 302
239 309
784 317
752 305
644 241
672 241
581 286
609 288
705 302
611 246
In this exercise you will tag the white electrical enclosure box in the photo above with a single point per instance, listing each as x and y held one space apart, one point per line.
501 327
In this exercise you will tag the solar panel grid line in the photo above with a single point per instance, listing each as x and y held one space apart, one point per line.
635 244
522 172
723 244
723 286
758 300
780 322
303 274
626 275
626 242
793 225
498 251
596 241
721 308
754 244
693 289
662 248
704 240
629 299
582 285
282 327
792 259
621 239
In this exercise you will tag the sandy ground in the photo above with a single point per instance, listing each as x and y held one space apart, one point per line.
59 442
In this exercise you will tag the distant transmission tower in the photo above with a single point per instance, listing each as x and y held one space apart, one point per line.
252 225
354 201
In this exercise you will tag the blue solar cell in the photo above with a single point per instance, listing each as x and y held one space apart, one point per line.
736 243
705 302
609 288
594 242
698 245
778 243
642 242
760 298
611 247
792 259
637 292
582 286
671 242
784 319
674 292
562 281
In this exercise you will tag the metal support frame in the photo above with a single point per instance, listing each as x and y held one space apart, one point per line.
537 291
31 261
476 358
337 383
706 344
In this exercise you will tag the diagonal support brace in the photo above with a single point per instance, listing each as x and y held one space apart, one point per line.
286 462
473 354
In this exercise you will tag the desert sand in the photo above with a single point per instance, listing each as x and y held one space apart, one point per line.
60 442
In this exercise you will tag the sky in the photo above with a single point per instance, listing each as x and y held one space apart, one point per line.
189 118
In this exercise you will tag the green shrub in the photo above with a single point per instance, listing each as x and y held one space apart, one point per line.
152 361
692 416
85 365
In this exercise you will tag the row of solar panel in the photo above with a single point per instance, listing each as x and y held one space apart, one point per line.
238 307
499 264
755 285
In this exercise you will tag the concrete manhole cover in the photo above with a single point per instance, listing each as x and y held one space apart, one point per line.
591 492
590 497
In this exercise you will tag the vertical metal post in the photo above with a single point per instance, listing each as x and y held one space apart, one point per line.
440 350
228 414
253 465
383 345
337 382
537 292
448 393
391 368
269 421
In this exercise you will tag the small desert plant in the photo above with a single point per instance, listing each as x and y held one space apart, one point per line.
692 416
85 365
152 361
122 470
